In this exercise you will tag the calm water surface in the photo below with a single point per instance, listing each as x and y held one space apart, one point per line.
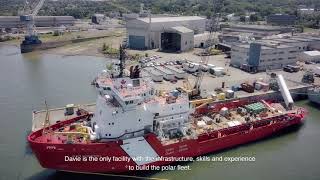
27 80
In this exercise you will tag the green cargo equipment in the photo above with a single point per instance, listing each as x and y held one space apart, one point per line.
255 107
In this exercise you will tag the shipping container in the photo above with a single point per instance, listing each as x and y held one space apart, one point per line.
247 88
229 94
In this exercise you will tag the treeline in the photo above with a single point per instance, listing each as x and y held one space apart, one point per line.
10 7
77 8
85 8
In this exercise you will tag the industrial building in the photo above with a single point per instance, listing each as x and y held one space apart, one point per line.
40 21
257 31
271 53
281 19
97 18
306 11
310 56
169 34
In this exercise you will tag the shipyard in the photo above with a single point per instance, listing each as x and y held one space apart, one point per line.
193 90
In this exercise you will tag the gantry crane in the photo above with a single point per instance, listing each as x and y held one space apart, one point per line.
29 12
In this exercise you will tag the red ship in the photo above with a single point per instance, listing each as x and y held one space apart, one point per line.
134 125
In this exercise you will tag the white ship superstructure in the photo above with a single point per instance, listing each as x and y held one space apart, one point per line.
130 107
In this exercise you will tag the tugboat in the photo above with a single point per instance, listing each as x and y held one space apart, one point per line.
135 125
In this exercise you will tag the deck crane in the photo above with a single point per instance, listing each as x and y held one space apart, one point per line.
214 24
30 10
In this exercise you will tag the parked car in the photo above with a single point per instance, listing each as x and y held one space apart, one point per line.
173 81
287 69
141 61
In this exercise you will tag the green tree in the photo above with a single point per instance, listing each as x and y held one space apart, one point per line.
243 18
104 47
253 17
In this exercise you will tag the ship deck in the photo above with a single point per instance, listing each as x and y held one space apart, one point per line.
236 119
56 114
212 121
200 127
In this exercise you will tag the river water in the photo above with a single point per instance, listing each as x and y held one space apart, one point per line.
28 80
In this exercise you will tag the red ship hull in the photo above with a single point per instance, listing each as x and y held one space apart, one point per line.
52 155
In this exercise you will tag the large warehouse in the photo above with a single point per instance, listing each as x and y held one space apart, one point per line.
40 21
271 53
169 34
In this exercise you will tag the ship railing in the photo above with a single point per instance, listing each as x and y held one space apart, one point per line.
124 134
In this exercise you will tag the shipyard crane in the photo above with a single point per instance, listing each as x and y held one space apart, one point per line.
29 12
214 23
195 91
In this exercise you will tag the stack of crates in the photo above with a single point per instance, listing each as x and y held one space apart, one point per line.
255 107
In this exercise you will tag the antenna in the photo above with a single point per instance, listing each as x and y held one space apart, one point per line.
47 120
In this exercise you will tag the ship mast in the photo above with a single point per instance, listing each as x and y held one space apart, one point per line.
47 120
122 52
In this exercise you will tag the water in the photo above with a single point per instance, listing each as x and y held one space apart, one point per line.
28 80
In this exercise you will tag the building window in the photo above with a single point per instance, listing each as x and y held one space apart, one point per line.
186 42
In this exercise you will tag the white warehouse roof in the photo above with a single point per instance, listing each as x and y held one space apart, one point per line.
312 53
171 19
182 29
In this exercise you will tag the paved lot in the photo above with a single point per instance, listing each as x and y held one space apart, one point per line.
235 77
